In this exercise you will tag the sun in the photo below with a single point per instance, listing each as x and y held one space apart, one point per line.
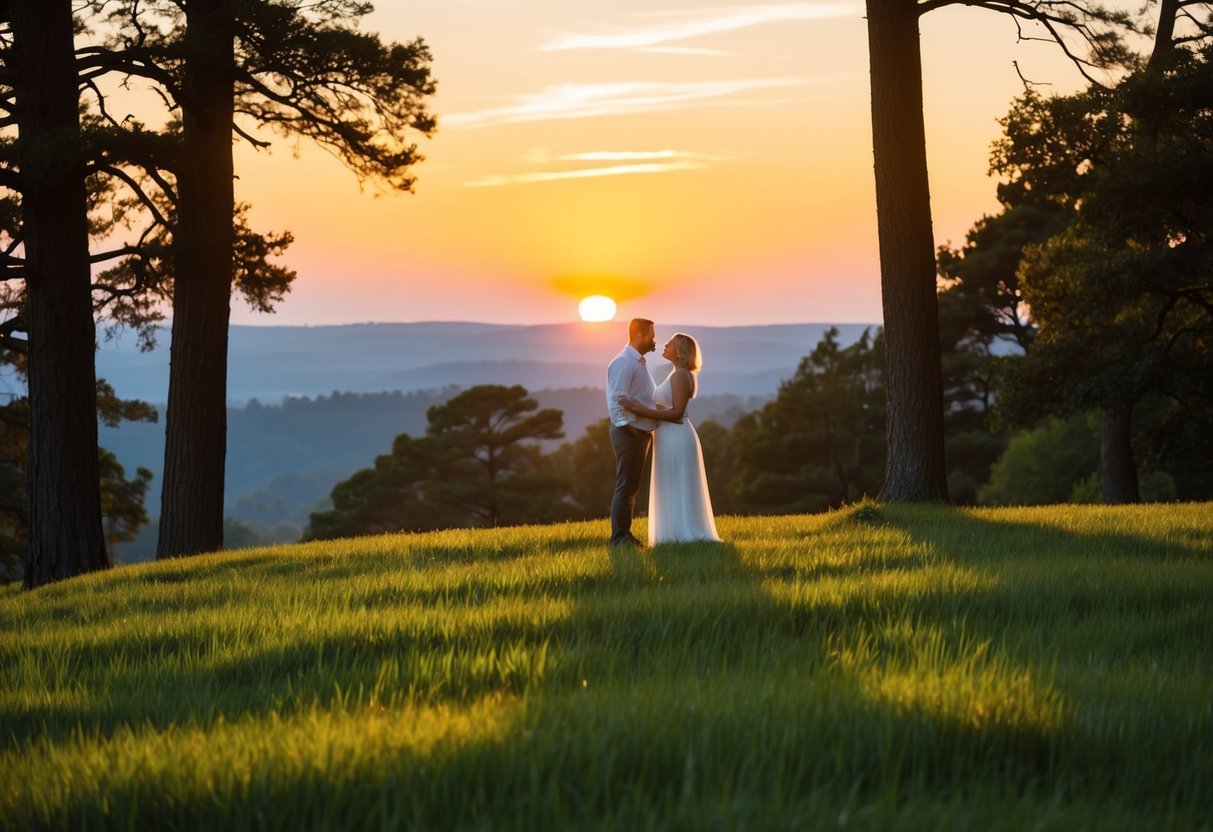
596 308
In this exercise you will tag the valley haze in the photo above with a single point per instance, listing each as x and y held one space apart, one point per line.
269 363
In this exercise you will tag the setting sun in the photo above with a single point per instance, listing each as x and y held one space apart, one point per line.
596 308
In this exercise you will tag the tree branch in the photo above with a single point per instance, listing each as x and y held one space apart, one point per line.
135 61
1054 15
137 188
255 142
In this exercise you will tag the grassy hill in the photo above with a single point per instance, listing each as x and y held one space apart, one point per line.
877 668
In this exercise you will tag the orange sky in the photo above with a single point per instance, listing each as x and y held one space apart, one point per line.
709 162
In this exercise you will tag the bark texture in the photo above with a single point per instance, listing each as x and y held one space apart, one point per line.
65 533
191 519
915 470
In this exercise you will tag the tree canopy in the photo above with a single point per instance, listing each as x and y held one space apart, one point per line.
820 442
477 465
1123 296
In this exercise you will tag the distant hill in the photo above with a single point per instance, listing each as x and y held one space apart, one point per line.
271 362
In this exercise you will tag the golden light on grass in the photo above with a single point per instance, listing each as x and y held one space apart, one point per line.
596 308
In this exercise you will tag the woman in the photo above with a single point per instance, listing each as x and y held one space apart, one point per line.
680 508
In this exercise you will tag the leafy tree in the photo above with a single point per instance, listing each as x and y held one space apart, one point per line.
1056 462
916 467
587 468
122 509
487 467
982 309
388 497
476 466
232 66
719 460
103 155
969 366
1130 273
819 442
1052 154
1046 464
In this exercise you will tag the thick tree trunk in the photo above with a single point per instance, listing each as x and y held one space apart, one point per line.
1117 470
915 470
65 534
191 519
1164 36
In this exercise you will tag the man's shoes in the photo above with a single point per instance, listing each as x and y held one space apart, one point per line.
632 541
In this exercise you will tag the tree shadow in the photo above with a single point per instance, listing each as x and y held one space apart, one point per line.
772 671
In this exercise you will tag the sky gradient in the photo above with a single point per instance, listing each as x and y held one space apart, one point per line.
700 162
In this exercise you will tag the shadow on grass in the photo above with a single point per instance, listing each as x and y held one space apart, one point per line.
1054 577
678 686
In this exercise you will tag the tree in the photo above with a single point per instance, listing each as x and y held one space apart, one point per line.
388 497
477 465
587 467
1057 461
819 443
114 156
916 469
489 466
1047 464
1129 270
718 463
298 68
122 511
65 533
191 502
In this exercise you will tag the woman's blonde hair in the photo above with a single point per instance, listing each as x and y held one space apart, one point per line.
688 351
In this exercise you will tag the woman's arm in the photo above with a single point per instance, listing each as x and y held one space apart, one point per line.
680 390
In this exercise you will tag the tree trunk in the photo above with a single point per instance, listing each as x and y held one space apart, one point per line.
1117 470
65 534
915 469
191 519
1164 37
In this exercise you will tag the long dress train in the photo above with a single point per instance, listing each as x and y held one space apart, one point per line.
680 507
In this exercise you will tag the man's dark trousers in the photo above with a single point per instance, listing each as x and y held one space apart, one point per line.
631 446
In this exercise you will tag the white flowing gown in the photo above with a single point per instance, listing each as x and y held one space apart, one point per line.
680 508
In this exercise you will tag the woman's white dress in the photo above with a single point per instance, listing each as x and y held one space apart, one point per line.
680 508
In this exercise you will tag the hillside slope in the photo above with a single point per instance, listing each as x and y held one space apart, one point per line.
881 667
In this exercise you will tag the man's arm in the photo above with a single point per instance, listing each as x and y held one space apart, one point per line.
617 390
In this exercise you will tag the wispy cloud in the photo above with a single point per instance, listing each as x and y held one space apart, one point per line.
704 22
637 155
640 162
585 173
565 101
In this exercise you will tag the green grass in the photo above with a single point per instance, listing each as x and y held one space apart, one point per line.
881 668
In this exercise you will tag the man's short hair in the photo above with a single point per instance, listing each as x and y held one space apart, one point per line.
637 326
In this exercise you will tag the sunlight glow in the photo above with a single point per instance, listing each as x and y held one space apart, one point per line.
596 308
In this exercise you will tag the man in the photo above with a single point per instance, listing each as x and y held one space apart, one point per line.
631 436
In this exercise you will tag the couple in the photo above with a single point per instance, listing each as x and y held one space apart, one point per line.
680 509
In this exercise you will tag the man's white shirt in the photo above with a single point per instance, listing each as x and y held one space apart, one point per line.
628 378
